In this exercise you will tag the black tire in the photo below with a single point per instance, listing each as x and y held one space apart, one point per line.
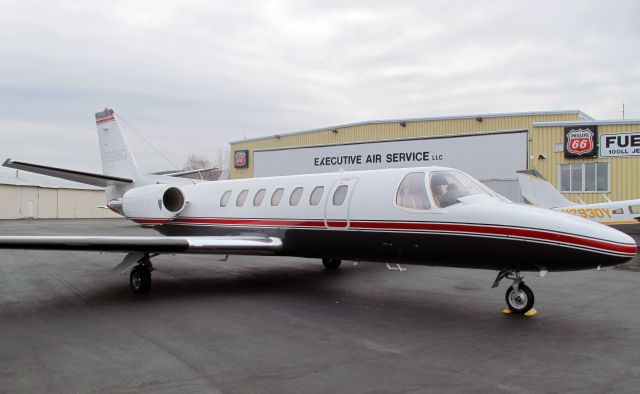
140 280
331 263
522 302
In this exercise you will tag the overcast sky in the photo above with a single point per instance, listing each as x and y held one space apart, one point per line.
193 75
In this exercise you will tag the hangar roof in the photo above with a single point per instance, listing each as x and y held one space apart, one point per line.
23 178
435 118
592 122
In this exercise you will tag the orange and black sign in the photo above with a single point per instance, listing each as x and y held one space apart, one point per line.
580 141
241 159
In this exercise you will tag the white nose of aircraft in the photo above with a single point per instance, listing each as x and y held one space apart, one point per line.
555 241
599 237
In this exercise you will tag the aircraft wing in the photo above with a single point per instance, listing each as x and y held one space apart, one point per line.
208 245
99 180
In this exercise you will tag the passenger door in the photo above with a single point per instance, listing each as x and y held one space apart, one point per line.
338 203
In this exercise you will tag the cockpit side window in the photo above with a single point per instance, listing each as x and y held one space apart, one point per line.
448 186
412 192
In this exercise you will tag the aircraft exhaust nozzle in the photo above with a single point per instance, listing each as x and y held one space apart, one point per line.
154 202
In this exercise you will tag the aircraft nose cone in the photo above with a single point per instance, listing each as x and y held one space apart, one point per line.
616 244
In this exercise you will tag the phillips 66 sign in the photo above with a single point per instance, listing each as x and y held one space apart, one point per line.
580 141
241 159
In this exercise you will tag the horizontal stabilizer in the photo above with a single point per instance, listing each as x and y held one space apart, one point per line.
189 172
208 245
88 178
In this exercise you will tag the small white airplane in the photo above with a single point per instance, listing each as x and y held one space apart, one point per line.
623 215
429 216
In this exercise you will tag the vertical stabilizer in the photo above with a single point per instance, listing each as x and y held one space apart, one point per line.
537 191
117 159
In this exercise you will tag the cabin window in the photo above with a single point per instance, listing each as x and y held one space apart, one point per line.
618 211
634 208
340 194
225 198
584 177
257 199
316 195
296 194
277 196
412 192
448 186
242 198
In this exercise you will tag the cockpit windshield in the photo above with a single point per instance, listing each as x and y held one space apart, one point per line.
448 186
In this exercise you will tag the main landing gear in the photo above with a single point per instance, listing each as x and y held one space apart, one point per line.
519 296
331 263
140 277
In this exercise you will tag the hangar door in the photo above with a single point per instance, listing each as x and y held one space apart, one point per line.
487 156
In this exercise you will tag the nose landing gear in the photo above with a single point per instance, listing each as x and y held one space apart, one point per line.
519 297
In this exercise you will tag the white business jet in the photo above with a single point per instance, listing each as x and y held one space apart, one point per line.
428 216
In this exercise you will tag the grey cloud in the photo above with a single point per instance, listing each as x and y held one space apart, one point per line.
193 75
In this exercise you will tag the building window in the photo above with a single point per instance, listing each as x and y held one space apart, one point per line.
316 195
257 199
584 177
296 194
225 198
277 196
242 197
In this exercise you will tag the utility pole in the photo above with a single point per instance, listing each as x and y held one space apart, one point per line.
622 110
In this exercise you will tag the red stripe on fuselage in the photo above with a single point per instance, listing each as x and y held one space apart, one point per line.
459 228
105 120
544 235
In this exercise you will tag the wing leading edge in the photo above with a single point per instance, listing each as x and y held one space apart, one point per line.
206 245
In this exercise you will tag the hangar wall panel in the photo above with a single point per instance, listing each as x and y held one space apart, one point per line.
508 188
98 200
383 131
624 171
475 154
19 202
73 204
10 198
47 203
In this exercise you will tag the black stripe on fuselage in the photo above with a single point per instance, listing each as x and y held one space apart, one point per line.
428 248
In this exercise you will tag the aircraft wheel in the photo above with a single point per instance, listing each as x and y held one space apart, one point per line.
331 263
140 279
520 301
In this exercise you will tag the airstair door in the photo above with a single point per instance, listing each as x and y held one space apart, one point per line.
338 203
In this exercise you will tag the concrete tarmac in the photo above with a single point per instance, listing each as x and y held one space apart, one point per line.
284 325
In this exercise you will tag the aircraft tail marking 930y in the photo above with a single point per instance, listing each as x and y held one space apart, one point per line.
427 215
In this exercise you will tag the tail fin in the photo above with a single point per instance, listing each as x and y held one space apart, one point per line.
117 159
120 172
537 191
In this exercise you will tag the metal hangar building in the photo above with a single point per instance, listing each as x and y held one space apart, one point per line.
26 195
585 158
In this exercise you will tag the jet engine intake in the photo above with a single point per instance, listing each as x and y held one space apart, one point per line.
153 202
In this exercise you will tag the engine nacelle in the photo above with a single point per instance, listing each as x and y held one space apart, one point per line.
153 204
